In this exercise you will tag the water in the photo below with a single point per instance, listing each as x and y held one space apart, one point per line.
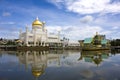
59 65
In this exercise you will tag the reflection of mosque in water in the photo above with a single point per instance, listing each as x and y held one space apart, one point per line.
39 60
95 57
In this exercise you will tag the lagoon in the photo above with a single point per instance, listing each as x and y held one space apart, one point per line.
59 65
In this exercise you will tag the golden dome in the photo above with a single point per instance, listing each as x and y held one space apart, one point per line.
36 73
37 23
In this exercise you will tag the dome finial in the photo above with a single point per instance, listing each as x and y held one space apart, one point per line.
26 25
37 18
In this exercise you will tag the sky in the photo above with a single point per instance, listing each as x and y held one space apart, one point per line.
76 19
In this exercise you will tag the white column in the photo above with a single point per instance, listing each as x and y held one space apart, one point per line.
44 43
38 43
41 43
42 40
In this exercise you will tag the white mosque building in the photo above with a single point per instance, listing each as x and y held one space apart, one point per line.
39 36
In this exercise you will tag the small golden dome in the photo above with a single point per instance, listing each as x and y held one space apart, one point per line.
37 23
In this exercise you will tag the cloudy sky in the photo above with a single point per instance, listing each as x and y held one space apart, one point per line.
77 19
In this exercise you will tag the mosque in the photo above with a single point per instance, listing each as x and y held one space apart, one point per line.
39 36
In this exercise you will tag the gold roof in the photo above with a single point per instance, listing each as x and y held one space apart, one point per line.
18 41
37 23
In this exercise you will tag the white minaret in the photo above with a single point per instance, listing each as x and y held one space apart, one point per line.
58 36
34 37
46 34
43 27
20 32
26 40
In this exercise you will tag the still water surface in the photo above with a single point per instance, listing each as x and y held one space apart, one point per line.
59 65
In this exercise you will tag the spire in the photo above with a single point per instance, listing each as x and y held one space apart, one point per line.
20 31
37 18
96 33
26 28
26 25
43 22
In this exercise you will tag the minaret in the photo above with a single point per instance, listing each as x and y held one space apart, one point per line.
20 32
96 33
46 34
43 27
58 36
37 18
35 37
26 36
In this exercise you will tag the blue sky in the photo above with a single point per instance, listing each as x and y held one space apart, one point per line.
77 19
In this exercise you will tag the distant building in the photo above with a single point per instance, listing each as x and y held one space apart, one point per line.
73 44
98 40
95 43
70 43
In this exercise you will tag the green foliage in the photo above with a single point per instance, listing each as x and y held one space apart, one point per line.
10 43
115 42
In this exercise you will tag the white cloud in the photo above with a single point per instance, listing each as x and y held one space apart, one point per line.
86 19
9 34
53 28
75 32
6 14
82 32
115 27
90 6
55 2
7 22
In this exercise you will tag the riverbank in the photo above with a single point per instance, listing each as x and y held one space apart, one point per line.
36 48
